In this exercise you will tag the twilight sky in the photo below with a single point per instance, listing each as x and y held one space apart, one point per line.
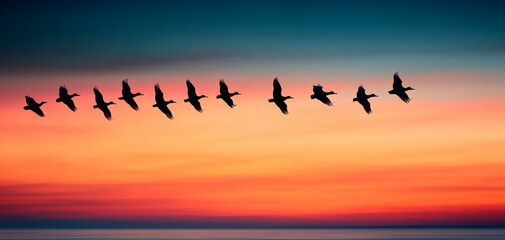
438 160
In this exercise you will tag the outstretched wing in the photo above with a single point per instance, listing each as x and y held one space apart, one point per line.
38 111
126 88
324 99
397 82
318 89
191 89
159 94
166 111
157 90
197 106
70 104
63 91
366 106
361 92
132 103
30 101
223 88
403 96
106 113
282 106
229 101
98 95
277 89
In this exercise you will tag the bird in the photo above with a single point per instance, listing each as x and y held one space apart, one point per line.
321 95
34 106
128 95
161 103
278 99
67 99
101 104
225 94
399 90
362 98
193 98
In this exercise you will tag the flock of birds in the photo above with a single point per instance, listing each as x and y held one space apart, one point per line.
225 95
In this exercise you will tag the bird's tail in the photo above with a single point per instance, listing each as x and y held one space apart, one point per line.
392 92
95 106
26 108
155 105
58 100
120 98
312 96
271 100
355 99
186 100
218 96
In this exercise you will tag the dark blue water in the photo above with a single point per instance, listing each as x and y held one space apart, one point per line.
382 234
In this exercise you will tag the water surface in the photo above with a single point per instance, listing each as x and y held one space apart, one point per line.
257 234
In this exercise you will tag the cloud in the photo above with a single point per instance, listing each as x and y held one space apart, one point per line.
112 62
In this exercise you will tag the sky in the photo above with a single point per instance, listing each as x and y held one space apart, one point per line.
436 161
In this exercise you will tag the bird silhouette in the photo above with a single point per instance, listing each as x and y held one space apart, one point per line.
362 98
128 95
193 98
399 90
34 106
278 99
321 95
67 99
225 94
161 103
101 104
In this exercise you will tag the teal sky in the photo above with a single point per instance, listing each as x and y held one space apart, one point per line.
118 36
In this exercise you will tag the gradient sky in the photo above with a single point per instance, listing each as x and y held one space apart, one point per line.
438 160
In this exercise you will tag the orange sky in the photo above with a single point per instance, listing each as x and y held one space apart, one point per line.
427 161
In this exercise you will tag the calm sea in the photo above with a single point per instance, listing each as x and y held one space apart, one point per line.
382 234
